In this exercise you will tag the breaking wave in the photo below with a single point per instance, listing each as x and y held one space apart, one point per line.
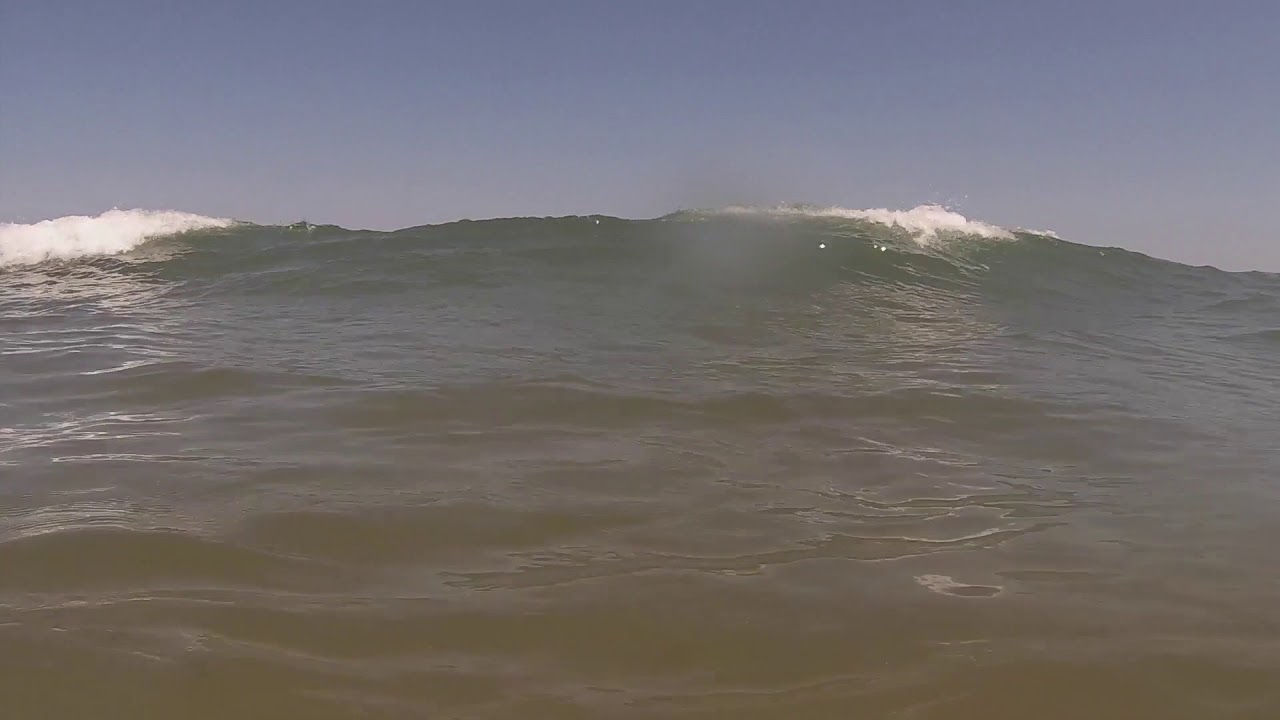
112 232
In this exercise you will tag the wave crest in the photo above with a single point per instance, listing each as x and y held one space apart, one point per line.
112 232
923 222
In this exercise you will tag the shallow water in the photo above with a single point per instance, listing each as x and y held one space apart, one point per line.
586 467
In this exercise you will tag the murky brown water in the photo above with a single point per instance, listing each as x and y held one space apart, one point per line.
538 470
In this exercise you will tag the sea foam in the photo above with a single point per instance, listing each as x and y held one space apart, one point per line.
112 232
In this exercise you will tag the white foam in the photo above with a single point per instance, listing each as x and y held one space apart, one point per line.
924 222
947 585
112 232
1042 233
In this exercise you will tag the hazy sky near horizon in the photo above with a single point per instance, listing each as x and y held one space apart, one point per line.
1150 125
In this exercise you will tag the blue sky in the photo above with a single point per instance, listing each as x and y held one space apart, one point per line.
1151 125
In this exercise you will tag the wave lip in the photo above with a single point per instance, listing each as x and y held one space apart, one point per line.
924 222
114 231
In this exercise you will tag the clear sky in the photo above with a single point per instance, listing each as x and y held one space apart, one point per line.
1150 125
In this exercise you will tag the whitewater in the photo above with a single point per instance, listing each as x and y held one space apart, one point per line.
114 231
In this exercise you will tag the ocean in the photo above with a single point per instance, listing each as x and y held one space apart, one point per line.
788 462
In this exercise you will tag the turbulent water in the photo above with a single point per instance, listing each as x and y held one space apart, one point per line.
784 463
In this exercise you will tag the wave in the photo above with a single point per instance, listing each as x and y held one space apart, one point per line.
932 246
113 232
119 231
